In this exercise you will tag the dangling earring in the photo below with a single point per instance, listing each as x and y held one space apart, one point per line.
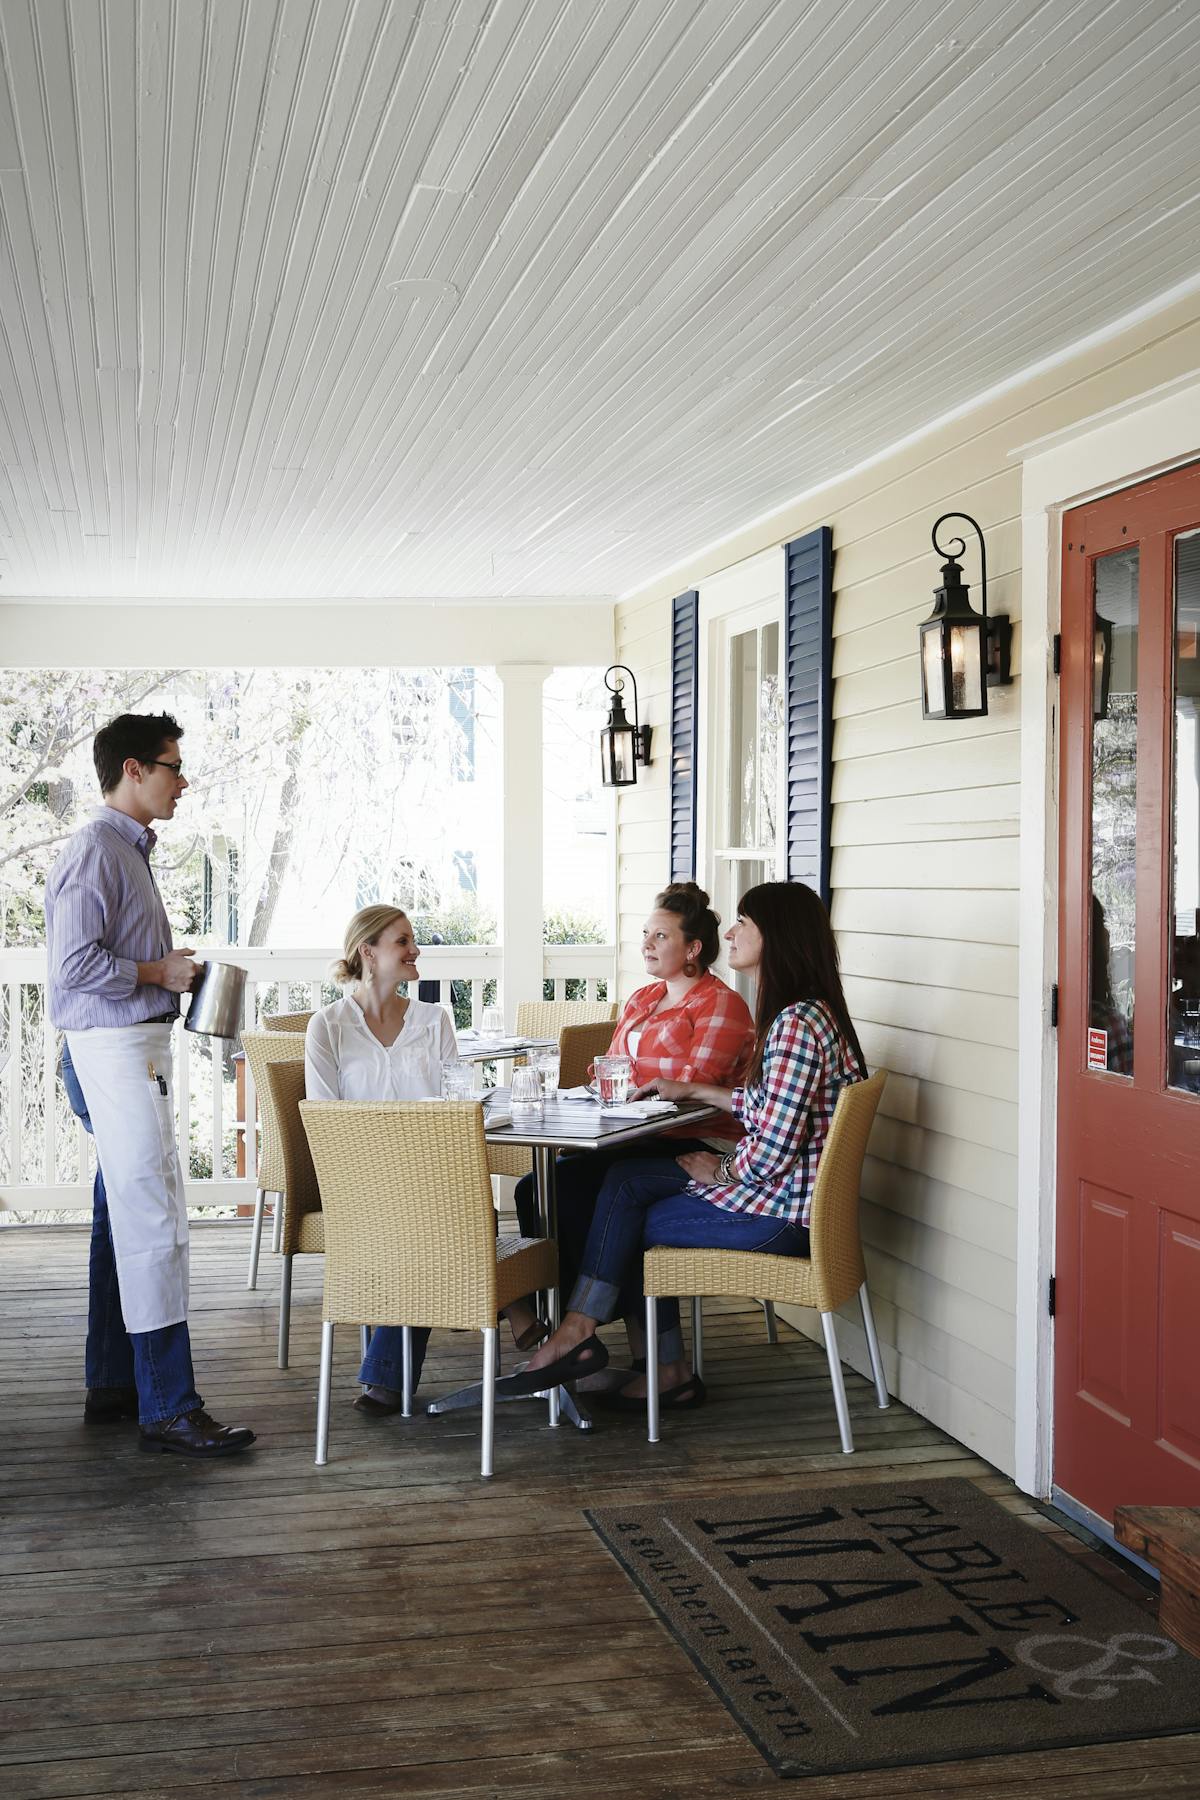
368 974
690 967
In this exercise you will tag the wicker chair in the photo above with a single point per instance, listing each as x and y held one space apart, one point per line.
410 1236
263 1047
285 1021
825 1280
303 1221
580 1042
543 1018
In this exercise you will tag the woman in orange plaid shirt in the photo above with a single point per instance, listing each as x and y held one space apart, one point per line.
686 1024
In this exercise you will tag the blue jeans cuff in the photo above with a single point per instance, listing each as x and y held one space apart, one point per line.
596 1299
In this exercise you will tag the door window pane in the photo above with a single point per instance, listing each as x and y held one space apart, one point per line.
1114 812
743 786
1183 1018
755 721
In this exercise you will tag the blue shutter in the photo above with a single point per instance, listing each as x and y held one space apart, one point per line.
809 636
685 674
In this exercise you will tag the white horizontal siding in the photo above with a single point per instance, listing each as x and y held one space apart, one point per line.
926 821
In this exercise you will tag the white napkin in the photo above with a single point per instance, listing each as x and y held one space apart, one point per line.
576 1093
640 1109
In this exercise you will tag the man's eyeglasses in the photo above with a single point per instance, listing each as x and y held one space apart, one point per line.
156 762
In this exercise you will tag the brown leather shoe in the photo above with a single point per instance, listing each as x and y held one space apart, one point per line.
105 1406
195 1434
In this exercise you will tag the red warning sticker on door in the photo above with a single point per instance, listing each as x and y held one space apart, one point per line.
1097 1049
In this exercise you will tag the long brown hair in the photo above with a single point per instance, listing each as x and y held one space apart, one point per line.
799 960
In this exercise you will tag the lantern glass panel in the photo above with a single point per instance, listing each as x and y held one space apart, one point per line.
931 672
617 756
966 668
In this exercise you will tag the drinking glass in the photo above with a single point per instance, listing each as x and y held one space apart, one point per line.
458 1081
546 1064
491 1022
614 1075
525 1096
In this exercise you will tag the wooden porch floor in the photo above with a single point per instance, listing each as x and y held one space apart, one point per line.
390 1625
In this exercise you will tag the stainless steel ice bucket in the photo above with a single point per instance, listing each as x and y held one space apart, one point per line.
217 1000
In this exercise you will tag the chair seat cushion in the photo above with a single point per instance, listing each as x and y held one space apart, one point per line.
522 1266
747 1274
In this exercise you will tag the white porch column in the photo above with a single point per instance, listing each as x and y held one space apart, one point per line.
521 902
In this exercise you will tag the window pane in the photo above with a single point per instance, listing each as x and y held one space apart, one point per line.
743 732
1183 1025
770 719
1114 812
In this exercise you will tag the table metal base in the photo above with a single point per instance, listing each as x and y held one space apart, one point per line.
569 1406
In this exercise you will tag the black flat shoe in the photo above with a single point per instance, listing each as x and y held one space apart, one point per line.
372 1407
105 1406
584 1359
195 1434
685 1397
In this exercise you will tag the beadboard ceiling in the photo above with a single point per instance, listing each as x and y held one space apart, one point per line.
306 299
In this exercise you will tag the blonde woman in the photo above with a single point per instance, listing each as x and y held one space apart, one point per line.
373 1044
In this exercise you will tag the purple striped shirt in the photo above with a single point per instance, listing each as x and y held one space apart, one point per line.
104 915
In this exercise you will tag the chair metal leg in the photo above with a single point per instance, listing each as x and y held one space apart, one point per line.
323 1387
364 1341
768 1307
260 1200
697 1336
651 1369
868 1319
285 1312
406 1358
839 1385
489 1401
276 1223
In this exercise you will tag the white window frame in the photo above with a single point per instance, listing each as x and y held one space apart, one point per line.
743 598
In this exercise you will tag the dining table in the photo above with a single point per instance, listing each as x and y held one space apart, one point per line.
566 1124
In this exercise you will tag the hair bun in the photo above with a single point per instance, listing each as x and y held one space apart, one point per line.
692 889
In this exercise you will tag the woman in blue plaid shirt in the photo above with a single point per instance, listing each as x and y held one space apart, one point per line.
758 1195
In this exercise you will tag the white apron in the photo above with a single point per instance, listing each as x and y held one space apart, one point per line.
133 1122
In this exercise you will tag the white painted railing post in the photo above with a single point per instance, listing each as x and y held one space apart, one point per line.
521 902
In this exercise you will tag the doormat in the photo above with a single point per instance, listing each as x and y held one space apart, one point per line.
890 1625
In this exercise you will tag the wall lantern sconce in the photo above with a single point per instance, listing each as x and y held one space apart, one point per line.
622 745
1102 654
963 652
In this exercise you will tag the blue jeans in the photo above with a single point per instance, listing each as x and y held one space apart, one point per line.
383 1365
157 1363
642 1204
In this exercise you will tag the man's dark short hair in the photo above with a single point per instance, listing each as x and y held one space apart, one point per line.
141 735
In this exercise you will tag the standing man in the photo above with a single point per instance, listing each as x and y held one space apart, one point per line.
114 984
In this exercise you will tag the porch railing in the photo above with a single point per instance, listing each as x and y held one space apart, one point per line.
46 1157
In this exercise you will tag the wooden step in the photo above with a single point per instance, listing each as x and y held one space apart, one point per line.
1169 1537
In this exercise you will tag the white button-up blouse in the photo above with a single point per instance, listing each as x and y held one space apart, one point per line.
344 1060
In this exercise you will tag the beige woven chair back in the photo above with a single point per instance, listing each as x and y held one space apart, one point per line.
546 1018
263 1047
283 1090
285 1021
836 1247
410 1232
579 1045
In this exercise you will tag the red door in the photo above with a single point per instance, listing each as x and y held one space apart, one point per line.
1127 1260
